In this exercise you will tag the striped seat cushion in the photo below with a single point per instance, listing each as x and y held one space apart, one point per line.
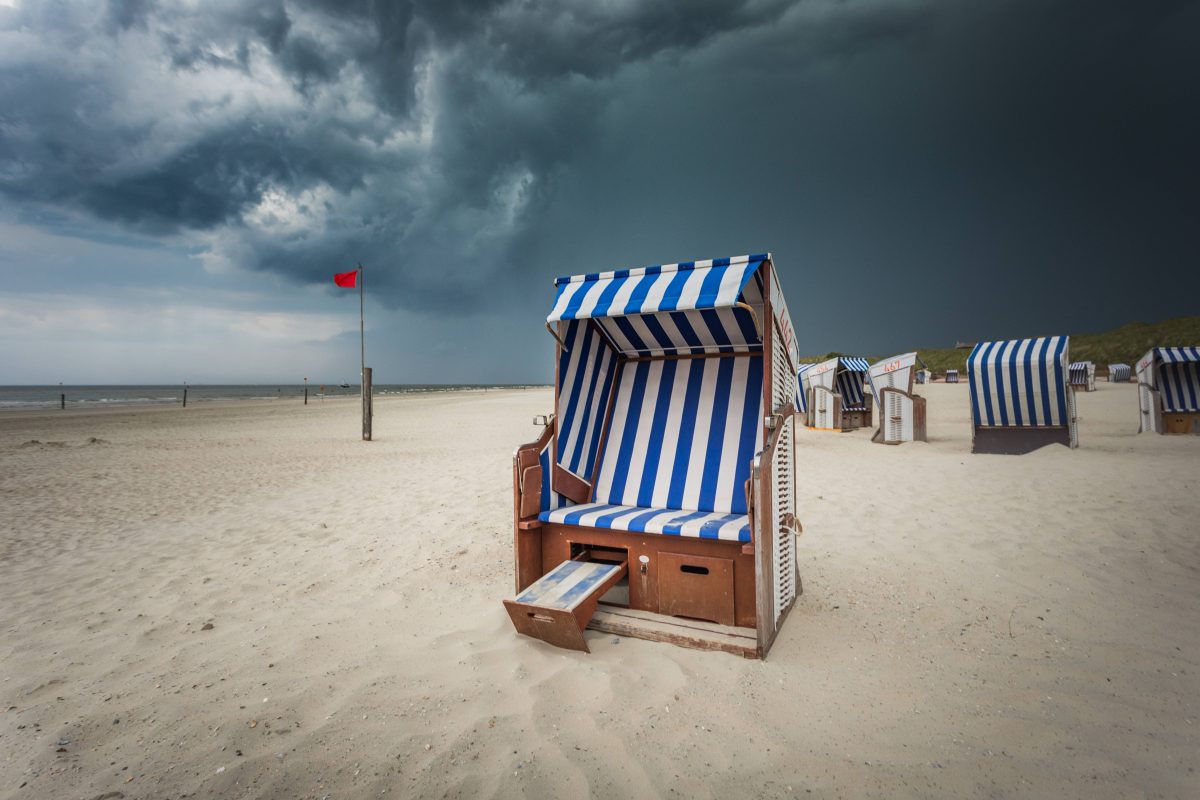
683 434
667 522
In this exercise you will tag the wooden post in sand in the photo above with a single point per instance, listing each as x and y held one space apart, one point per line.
62 397
366 400
306 391
185 394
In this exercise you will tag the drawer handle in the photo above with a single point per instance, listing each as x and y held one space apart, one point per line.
693 570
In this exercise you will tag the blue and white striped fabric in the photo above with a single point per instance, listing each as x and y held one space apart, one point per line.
550 499
951 376
850 387
1019 383
1180 386
801 399
854 363
1177 355
713 330
667 522
1119 373
683 434
1079 373
688 286
585 378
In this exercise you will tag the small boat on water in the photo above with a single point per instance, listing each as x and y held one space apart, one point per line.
344 385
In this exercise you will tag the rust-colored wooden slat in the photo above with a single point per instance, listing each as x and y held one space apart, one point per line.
682 633
571 486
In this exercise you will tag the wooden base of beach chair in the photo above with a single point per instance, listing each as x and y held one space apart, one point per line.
682 632
558 606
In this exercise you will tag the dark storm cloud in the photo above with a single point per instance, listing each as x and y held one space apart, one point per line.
449 144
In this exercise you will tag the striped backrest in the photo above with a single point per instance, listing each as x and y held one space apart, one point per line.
951 376
850 387
585 375
1180 386
683 434
1119 372
1019 383
1079 373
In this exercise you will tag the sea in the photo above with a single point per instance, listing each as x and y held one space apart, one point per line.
27 398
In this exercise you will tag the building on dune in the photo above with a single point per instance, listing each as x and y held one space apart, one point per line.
1169 390
1021 398
659 500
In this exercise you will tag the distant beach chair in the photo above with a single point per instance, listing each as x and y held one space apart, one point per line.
1119 373
667 469
1020 395
1083 376
901 413
951 376
922 375
1169 390
835 397
801 399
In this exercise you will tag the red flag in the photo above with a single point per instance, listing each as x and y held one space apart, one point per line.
347 280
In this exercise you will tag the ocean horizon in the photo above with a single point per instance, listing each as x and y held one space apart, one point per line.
34 397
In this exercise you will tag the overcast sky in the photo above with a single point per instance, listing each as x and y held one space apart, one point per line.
180 180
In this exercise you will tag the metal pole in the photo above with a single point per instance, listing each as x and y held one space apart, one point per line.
364 380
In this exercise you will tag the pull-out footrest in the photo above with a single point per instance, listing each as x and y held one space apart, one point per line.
560 604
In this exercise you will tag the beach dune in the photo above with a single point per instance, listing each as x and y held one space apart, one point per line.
244 600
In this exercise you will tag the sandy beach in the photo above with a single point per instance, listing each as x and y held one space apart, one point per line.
244 600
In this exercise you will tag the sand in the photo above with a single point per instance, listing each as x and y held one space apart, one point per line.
244 600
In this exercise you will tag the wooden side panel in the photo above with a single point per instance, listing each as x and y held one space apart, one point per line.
697 587
571 486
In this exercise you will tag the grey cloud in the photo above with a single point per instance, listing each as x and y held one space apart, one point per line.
457 147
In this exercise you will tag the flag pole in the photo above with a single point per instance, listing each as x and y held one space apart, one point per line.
364 374
362 346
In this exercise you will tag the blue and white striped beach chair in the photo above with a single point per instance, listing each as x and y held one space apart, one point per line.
670 451
1169 390
836 395
1020 395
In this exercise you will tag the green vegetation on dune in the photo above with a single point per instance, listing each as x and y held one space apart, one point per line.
1124 345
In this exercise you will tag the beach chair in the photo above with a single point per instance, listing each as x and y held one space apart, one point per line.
1021 398
1169 390
901 413
667 468
801 399
835 396
1119 373
951 376
1083 376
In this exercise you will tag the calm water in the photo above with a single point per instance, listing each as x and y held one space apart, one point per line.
35 397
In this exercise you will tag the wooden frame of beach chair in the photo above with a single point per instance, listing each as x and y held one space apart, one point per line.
1169 390
836 399
901 413
1021 396
703 353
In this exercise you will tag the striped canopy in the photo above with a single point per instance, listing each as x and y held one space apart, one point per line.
687 286
1119 372
854 363
1019 383
1079 372
690 308
1175 372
